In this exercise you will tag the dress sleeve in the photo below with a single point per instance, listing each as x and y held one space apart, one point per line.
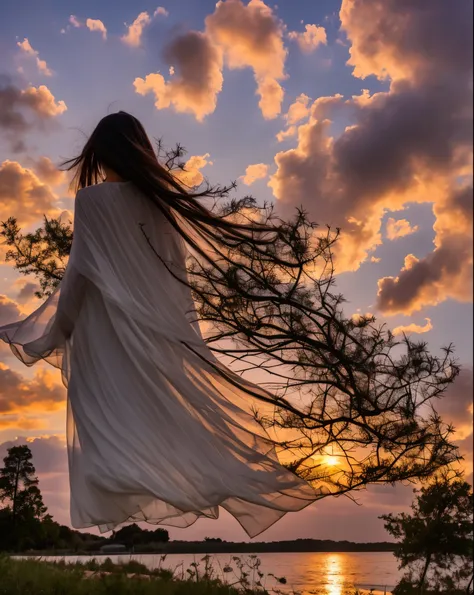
46 333
73 285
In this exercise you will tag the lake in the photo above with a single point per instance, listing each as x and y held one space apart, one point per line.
307 573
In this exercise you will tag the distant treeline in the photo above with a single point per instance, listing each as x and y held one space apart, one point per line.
211 546
25 526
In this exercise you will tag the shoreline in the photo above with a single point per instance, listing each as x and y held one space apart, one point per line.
217 547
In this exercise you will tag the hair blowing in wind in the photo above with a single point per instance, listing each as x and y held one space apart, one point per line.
120 143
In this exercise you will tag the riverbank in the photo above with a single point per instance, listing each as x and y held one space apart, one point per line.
25 577
225 547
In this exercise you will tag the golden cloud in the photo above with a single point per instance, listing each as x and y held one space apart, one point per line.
25 47
22 110
197 78
399 228
25 403
48 172
352 179
133 37
246 36
252 37
191 175
254 172
97 25
9 311
455 407
444 273
23 194
298 110
289 132
41 100
309 39
413 328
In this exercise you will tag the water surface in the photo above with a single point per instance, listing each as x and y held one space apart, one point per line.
306 573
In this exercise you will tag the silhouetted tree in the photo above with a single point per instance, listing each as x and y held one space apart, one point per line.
435 541
132 535
19 491
19 484
351 405
213 539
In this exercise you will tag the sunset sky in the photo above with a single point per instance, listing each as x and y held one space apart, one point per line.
359 111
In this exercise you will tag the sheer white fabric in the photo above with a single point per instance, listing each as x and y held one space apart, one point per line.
158 429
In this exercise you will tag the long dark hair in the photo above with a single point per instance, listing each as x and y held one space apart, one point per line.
120 143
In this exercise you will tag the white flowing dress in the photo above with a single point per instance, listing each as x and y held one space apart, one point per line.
158 429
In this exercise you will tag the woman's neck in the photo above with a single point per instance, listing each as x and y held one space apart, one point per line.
111 176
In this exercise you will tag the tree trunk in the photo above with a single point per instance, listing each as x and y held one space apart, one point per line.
15 491
425 572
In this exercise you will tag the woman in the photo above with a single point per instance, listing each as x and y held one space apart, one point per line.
158 430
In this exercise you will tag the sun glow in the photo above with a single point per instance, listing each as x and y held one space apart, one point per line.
331 461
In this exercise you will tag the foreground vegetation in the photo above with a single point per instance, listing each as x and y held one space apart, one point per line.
36 577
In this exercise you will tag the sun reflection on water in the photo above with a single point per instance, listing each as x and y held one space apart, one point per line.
334 574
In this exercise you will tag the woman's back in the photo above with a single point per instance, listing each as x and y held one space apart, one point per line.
125 246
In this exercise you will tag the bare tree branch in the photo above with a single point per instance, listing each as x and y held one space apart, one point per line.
352 406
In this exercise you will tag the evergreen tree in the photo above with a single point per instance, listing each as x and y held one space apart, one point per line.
24 509
435 541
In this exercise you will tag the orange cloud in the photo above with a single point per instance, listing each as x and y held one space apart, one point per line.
197 79
351 179
252 37
9 311
455 407
358 316
25 47
26 293
42 101
15 422
48 172
444 273
309 39
298 110
133 37
23 194
413 328
287 133
254 172
399 228
97 25
191 175
22 110
246 36
24 402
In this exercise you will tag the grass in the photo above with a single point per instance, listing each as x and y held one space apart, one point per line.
36 577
